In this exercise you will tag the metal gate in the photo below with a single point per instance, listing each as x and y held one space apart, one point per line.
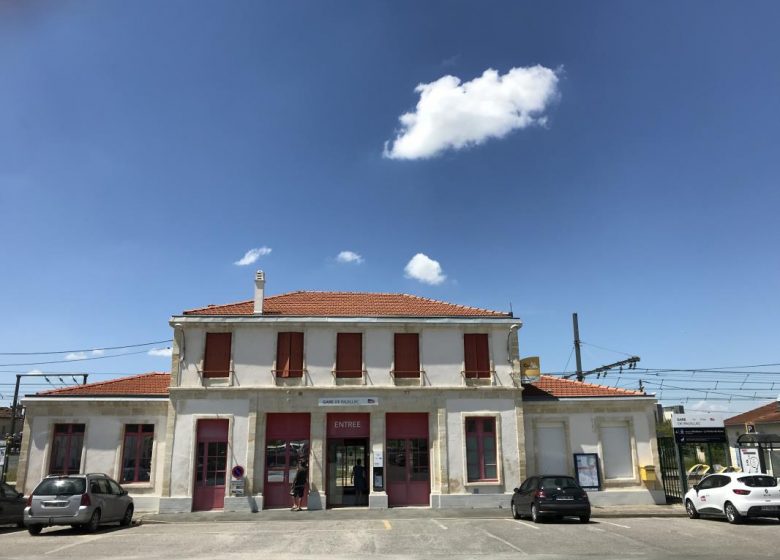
670 470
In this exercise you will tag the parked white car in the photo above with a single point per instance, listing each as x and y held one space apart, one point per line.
735 495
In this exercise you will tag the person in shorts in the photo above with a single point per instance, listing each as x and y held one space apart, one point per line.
299 485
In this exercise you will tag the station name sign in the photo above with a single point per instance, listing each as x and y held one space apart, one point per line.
698 428
349 401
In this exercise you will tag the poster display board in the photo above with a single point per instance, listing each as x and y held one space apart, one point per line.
750 461
586 467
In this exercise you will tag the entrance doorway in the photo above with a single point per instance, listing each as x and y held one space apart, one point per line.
286 444
347 458
210 465
407 464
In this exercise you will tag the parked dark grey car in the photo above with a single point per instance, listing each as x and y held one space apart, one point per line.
11 505
79 500
554 496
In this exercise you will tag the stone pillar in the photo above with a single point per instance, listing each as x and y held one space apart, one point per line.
317 467
440 471
522 464
377 500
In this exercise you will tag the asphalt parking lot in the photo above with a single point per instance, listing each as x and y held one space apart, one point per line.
432 535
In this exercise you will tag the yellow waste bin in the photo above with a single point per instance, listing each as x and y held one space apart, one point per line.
647 473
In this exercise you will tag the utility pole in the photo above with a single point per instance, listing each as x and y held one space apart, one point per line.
580 377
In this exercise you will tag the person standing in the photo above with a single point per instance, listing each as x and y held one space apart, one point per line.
299 485
359 481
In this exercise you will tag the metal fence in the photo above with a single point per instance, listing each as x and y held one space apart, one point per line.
670 470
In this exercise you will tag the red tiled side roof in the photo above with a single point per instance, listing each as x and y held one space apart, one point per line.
555 387
146 384
349 304
767 414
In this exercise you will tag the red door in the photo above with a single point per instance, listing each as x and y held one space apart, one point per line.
210 465
407 460
286 444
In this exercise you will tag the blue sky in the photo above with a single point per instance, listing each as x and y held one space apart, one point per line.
145 147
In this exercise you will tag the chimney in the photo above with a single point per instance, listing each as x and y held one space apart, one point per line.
259 292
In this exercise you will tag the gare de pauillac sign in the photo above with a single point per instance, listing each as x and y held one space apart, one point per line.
698 428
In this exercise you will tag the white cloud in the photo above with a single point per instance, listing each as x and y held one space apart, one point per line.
161 352
98 352
252 255
76 356
424 269
455 115
708 406
34 372
349 257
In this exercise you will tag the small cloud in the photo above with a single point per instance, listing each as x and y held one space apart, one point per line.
455 115
424 269
76 356
34 372
161 352
98 352
349 257
252 255
451 61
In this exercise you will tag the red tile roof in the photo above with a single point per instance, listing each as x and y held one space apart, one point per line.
147 384
549 387
349 304
767 414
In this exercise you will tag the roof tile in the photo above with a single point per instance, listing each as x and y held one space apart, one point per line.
349 304
767 414
549 386
146 384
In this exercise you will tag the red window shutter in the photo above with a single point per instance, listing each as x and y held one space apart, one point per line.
349 355
283 354
407 355
217 361
289 354
476 355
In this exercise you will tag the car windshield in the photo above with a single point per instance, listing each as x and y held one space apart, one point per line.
60 487
553 483
758 481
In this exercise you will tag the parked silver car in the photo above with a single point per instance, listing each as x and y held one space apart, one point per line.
78 500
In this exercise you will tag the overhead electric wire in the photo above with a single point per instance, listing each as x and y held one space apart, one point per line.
607 349
48 352
75 359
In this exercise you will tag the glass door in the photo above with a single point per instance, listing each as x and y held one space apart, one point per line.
281 466
347 472
408 472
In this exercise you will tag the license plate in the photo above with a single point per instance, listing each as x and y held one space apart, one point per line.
55 504
565 498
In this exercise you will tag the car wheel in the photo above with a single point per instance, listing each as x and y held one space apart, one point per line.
94 522
515 513
534 513
584 518
732 515
35 529
128 518
690 509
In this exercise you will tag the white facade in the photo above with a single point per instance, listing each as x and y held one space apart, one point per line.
530 436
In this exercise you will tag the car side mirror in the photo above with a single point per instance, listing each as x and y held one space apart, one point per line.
696 487
123 493
517 489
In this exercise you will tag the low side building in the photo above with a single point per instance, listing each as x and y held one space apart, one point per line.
763 420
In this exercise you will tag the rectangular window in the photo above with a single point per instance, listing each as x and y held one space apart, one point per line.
66 446
616 443
289 354
349 355
476 356
217 360
407 355
481 455
137 452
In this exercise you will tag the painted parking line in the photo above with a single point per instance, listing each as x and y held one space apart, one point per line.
387 524
83 540
440 524
509 544
614 524
523 523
